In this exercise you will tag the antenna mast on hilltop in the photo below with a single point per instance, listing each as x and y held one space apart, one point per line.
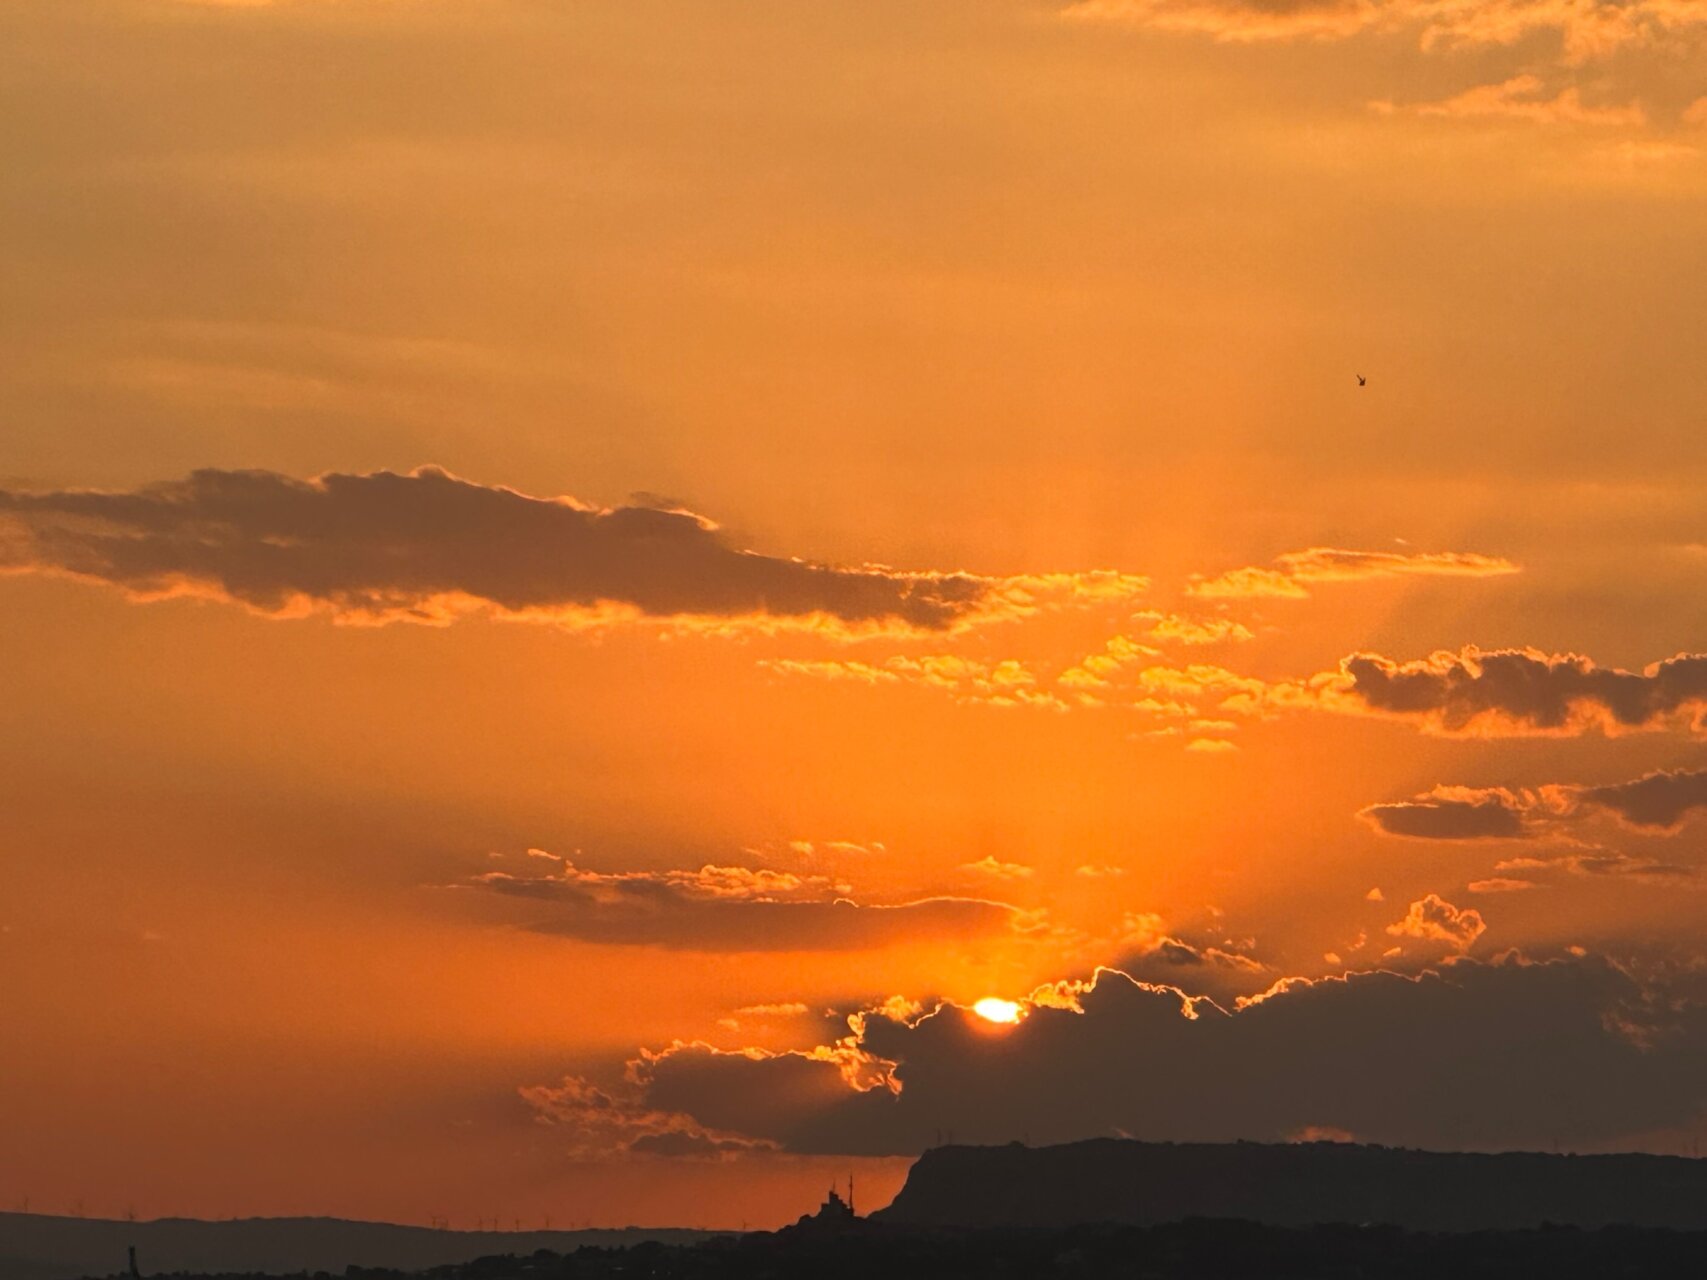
850 1194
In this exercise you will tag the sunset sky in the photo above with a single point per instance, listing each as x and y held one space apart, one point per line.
580 578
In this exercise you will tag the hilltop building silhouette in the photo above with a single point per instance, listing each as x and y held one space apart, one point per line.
834 1216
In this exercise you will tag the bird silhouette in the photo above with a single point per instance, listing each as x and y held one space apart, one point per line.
1361 380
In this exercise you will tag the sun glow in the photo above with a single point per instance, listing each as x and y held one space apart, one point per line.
993 1010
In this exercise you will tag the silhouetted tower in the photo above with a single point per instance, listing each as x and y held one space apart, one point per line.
135 1274
851 1208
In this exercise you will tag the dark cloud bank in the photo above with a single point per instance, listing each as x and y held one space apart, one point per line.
1526 692
420 546
1657 803
1474 1055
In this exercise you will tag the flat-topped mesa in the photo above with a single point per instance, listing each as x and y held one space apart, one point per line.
1303 1184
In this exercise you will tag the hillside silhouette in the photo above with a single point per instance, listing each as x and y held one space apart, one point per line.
1294 1184
45 1247
1194 1250
1152 1211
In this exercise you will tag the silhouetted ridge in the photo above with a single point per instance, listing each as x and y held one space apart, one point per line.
1141 1183
47 1247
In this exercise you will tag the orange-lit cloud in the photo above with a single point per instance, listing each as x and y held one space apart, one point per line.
996 868
787 1009
1167 627
1499 884
427 546
1433 919
968 681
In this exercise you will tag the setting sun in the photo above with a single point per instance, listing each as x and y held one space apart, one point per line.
993 1010
664 553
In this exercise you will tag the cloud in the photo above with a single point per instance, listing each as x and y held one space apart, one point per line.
1193 631
731 910
1572 1050
1658 801
1468 693
1515 692
837 848
1584 30
1500 884
1297 570
1602 862
1200 969
1453 813
992 866
1522 97
967 681
1433 919
1234 20
427 547
596 1124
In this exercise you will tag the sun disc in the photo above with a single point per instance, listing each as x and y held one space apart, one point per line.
992 1009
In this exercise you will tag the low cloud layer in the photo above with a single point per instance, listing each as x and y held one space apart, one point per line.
1572 1051
427 546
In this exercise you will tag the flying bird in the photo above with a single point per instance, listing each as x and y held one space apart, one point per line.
1361 380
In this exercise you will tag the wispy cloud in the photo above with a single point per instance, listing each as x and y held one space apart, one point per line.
1292 574
731 909
1524 98
1585 30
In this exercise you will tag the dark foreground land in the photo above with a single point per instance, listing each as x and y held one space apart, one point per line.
1145 1210
46 1247
1194 1250
1143 1184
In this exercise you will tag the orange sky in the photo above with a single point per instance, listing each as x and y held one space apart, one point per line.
542 539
